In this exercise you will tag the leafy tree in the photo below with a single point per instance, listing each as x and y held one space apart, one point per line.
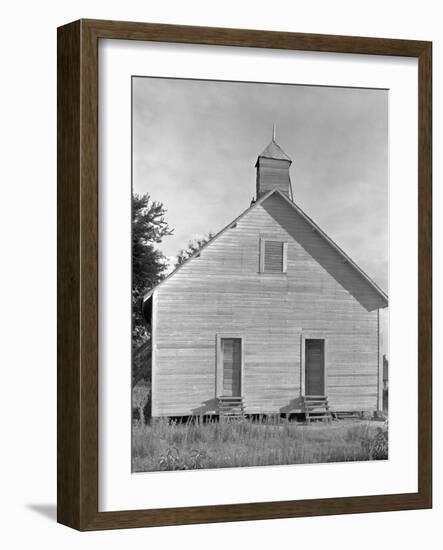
149 264
192 248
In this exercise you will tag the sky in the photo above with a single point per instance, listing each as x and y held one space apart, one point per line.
195 144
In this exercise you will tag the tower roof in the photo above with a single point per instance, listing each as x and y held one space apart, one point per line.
274 151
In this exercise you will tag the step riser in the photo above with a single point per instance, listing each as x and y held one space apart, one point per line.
231 407
230 399
315 398
226 398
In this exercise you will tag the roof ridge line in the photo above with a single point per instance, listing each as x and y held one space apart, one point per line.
328 239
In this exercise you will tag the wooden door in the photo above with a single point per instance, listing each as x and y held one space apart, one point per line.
231 361
314 367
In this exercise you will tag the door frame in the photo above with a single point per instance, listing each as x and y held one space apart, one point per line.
313 336
219 362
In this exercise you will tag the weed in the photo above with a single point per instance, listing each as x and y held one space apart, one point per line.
171 445
173 460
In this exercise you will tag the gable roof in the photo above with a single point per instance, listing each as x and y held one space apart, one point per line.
309 220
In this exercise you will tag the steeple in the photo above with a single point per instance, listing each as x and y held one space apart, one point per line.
273 169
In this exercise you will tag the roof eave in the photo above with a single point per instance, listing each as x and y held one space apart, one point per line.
348 259
289 161
216 236
320 231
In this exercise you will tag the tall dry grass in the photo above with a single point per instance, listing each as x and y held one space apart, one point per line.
168 445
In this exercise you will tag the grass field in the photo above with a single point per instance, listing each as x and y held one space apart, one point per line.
168 445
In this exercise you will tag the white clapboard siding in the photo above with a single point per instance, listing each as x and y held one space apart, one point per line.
223 292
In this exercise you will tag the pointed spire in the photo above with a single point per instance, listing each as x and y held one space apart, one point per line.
273 150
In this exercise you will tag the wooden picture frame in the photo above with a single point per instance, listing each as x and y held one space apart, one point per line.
78 274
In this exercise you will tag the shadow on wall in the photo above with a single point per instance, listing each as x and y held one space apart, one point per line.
209 406
294 404
319 249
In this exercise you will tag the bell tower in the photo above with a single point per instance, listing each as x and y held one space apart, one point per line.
273 170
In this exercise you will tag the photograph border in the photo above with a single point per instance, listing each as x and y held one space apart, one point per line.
77 274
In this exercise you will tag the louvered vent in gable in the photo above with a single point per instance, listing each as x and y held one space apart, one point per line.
273 256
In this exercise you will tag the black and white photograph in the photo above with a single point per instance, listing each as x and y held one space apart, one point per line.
220 288
260 265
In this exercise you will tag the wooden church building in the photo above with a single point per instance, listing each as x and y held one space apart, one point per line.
268 315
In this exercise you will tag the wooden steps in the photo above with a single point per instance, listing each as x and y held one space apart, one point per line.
231 407
316 408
